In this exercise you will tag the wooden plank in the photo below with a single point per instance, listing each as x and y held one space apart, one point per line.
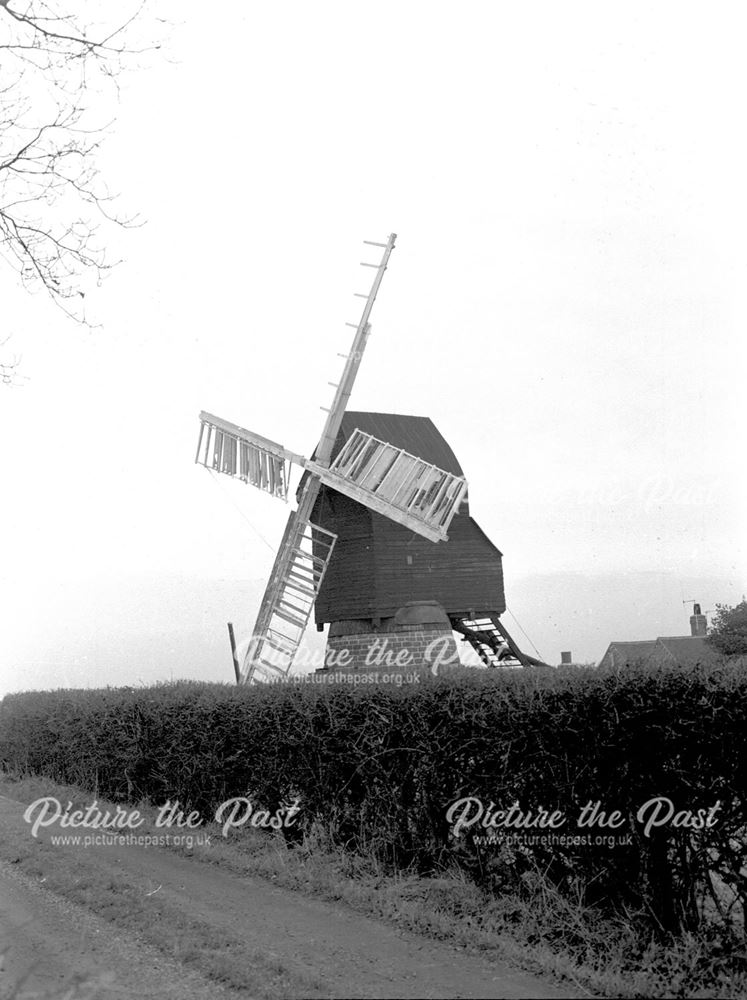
286 605
317 560
393 476
350 451
378 469
438 499
376 503
280 645
199 443
298 622
294 585
403 481
272 468
268 665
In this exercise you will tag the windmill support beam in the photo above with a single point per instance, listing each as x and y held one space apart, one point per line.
234 657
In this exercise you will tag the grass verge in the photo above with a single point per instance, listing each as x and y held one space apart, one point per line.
539 931
136 908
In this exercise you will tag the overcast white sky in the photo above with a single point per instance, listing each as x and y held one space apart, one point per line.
566 301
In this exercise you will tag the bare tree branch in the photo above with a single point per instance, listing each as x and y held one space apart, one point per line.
9 365
56 69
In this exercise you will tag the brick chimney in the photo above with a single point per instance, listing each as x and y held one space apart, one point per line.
698 622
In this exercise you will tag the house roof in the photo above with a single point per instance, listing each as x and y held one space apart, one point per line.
683 649
620 653
686 649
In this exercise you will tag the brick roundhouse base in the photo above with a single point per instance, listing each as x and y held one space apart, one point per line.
418 637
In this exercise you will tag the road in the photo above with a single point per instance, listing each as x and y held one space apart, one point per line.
190 917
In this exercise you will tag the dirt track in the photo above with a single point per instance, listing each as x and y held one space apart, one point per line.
55 949
320 949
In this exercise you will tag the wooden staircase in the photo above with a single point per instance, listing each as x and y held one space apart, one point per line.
490 639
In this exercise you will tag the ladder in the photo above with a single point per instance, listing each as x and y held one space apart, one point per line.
288 601
490 639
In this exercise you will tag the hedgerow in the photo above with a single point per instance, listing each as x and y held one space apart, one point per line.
378 766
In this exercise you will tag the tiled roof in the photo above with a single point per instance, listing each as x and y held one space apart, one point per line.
686 649
620 653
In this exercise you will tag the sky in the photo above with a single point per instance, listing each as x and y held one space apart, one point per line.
566 302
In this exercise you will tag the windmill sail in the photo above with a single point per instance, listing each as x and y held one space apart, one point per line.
226 447
391 481
288 601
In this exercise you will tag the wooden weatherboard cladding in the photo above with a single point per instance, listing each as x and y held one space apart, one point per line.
378 565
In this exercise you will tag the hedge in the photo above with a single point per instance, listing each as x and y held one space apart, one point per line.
378 767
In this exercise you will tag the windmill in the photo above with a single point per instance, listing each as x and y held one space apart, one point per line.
380 481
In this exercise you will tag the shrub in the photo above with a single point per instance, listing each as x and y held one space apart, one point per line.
378 766
728 632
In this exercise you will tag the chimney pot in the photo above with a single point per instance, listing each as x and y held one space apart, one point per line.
698 622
